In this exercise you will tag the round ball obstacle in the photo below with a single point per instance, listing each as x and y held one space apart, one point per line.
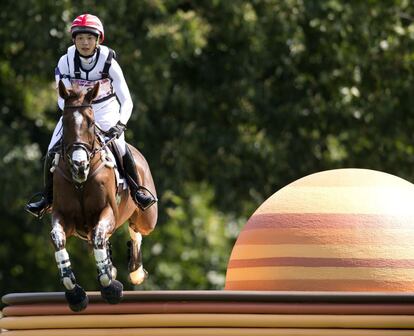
212 313
339 230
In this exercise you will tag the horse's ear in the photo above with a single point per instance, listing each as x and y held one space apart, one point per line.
63 92
92 93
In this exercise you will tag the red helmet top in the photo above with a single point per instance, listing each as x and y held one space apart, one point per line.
87 23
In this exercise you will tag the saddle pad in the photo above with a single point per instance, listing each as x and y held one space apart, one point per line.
121 182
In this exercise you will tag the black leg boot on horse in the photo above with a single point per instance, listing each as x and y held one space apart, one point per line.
141 199
39 208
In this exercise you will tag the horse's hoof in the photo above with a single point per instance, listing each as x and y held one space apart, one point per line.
137 277
112 293
77 298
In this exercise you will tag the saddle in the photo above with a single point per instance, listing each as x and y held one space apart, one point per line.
113 155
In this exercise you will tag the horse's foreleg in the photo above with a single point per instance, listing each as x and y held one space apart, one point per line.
111 289
75 295
137 273
100 243
58 237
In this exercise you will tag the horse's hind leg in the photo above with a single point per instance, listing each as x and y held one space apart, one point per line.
141 223
137 273
75 295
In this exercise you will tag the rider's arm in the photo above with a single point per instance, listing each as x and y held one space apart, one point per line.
122 92
61 71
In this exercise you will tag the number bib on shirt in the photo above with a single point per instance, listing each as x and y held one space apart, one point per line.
105 87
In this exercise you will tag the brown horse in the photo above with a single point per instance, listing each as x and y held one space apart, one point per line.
86 204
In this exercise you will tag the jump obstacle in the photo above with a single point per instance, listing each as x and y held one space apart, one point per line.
329 254
212 313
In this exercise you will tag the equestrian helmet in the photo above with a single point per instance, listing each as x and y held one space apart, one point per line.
88 23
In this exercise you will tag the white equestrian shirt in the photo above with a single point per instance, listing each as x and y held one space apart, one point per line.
113 102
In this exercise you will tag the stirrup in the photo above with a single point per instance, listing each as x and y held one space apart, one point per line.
142 207
39 213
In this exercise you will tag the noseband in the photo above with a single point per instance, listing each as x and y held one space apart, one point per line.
79 145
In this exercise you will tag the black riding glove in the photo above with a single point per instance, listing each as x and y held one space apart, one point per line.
116 131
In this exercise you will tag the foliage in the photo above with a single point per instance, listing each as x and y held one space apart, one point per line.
233 100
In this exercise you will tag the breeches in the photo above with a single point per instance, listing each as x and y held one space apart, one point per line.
105 118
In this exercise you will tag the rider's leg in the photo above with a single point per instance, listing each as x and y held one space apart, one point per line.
142 200
39 208
106 118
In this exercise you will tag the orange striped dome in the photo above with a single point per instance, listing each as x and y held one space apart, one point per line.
337 230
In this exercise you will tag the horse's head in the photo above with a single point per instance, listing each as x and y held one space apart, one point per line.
78 129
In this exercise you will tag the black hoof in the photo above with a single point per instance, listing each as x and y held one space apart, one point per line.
113 293
77 298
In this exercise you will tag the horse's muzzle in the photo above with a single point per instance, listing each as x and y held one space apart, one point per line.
80 171
80 165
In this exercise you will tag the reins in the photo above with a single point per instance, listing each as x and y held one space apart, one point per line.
105 143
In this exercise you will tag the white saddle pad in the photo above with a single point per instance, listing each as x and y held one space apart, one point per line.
121 182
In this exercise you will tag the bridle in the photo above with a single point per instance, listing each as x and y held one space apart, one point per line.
89 149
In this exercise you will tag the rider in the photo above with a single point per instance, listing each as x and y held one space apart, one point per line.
86 63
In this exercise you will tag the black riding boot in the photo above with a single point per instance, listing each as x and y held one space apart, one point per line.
39 208
141 199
